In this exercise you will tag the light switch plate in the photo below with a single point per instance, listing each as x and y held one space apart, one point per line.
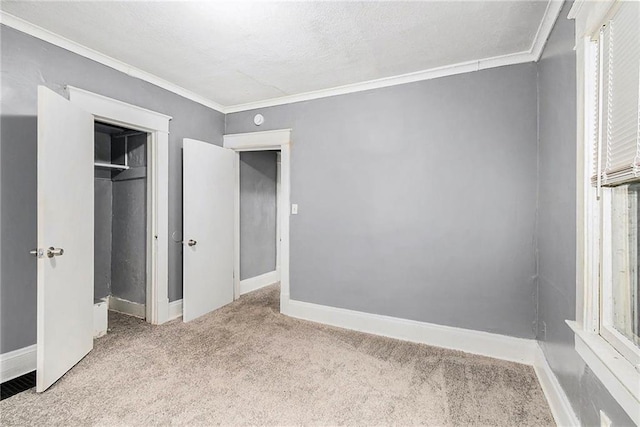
294 209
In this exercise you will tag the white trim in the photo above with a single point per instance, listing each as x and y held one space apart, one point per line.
503 347
57 40
126 307
116 112
158 286
278 218
100 318
236 228
17 362
255 141
615 372
433 73
113 109
546 26
558 400
588 209
589 16
175 309
531 55
257 282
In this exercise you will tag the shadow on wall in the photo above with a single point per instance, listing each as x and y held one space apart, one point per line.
18 204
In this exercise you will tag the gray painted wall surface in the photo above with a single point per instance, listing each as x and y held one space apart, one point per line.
129 240
102 238
417 201
102 222
128 268
258 179
557 228
27 62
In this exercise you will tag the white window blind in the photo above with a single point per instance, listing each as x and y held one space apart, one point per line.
617 156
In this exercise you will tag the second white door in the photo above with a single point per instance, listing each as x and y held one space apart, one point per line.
208 221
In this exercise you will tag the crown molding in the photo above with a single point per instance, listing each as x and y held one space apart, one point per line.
546 25
433 73
575 9
55 39
532 55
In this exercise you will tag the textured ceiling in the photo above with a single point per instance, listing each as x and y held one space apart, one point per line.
239 52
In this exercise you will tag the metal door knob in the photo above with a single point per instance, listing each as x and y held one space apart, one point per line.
51 252
192 242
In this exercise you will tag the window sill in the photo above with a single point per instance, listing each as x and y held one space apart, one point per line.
615 372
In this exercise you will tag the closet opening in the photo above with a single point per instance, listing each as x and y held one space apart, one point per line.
121 220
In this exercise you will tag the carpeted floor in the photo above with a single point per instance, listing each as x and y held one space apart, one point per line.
247 364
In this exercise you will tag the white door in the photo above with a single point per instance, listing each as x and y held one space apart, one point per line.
208 220
65 236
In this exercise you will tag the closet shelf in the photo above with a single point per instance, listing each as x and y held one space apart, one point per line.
110 166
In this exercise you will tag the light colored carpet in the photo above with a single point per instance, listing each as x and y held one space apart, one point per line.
248 364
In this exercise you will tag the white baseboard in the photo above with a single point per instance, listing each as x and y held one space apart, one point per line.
100 318
558 401
17 362
127 307
503 347
254 283
175 309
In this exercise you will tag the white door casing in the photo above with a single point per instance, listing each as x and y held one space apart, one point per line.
279 139
65 221
113 111
208 224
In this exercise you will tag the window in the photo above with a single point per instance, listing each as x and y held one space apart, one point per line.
617 176
608 195
619 316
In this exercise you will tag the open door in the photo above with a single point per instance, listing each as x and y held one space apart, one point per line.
65 236
208 220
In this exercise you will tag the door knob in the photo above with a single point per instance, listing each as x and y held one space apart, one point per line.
192 242
51 252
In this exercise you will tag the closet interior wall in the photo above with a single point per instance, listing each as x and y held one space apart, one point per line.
120 217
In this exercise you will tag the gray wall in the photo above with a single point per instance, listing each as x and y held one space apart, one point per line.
417 201
258 180
27 62
103 210
557 227
129 240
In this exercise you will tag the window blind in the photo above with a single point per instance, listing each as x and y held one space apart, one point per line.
617 155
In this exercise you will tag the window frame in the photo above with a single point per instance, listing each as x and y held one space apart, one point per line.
605 286
617 373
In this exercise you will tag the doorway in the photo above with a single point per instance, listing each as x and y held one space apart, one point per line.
121 220
259 239
118 114
273 140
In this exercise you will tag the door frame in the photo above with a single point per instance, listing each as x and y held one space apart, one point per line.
279 139
112 111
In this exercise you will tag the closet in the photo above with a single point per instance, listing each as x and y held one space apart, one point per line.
120 228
